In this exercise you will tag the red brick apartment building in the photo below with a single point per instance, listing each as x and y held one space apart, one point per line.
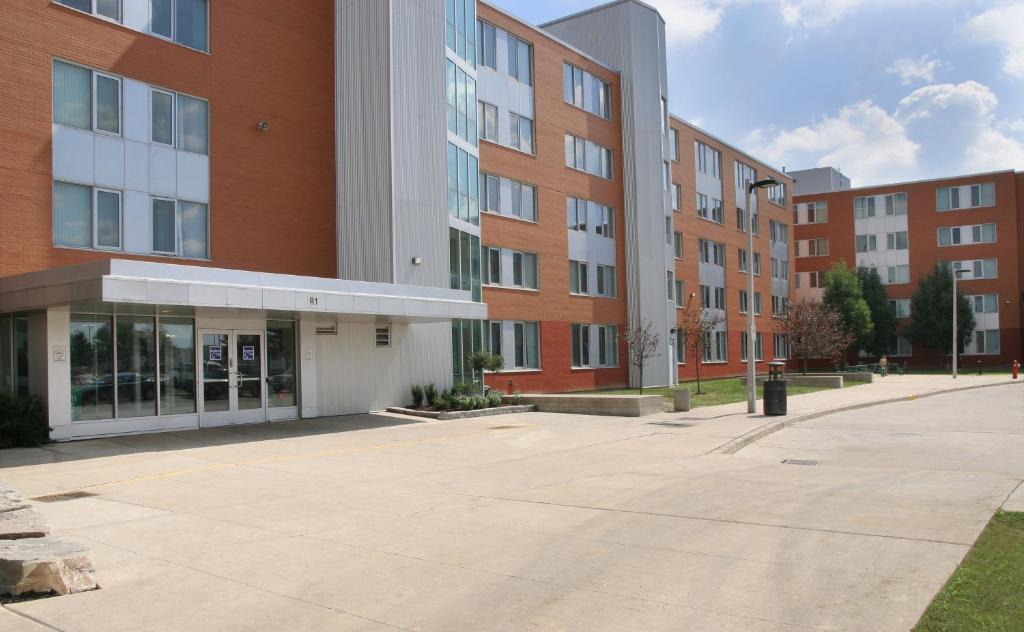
976 222
220 212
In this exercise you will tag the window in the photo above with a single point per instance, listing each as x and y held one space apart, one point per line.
677 244
182 21
580 345
519 60
744 173
899 346
863 207
780 305
898 274
110 9
606 281
781 346
963 235
970 196
711 252
492 266
680 293
464 262
86 217
984 303
986 341
462 103
487 121
710 208
978 269
463 185
524 270
577 277
716 346
778 232
461 29
775 268
382 336
867 243
709 160
758 347
162 117
85 99
817 213
777 194
180 228
494 337
677 197
744 302
487 55
757 264
742 259
577 214
896 204
741 220
523 202
584 155
193 124
896 241
900 307
605 220
521 133
673 146
607 345
165 227
584 90
526 341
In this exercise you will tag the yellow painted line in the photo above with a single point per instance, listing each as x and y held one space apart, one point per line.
296 457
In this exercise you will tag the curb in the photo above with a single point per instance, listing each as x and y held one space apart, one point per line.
735 445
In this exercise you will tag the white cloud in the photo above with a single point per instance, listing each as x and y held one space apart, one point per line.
937 130
687 21
816 13
911 70
863 139
1002 26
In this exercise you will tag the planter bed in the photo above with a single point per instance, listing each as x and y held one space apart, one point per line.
462 414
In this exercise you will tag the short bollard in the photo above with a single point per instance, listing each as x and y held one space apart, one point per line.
979 367
774 402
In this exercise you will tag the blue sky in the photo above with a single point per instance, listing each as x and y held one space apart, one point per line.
887 90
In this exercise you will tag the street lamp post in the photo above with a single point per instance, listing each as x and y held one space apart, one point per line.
956 303
752 188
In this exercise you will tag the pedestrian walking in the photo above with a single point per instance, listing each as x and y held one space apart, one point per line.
883 365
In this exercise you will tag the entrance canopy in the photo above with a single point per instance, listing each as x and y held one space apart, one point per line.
147 283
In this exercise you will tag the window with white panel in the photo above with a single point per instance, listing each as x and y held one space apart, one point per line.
583 155
965 235
511 198
184 22
520 55
965 197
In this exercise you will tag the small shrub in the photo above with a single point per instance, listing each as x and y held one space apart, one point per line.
22 422
464 388
463 402
417 396
493 399
479 401
517 398
430 394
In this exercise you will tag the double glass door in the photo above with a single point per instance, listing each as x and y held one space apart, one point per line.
232 377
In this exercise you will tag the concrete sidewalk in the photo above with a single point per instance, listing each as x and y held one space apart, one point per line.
532 521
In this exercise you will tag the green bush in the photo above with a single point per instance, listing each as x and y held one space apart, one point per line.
493 399
465 388
479 401
463 402
517 398
430 394
417 396
22 422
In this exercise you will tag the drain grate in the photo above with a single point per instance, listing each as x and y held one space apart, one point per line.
62 497
800 462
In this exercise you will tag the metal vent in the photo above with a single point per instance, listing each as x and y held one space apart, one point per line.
327 330
800 462
62 497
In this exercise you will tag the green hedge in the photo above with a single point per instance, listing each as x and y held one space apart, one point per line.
22 422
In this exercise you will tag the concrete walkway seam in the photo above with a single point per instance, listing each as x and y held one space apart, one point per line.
737 444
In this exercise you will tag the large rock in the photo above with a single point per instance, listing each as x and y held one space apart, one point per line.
22 523
42 565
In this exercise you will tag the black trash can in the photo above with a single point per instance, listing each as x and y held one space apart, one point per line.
774 392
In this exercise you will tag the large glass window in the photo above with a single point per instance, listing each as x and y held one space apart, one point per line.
519 55
460 28
72 215
92 367
464 262
108 104
177 366
463 185
161 17
164 227
281 364
162 119
72 95
195 238
136 366
193 124
108 219
190 23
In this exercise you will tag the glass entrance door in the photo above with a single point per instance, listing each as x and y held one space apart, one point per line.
232 378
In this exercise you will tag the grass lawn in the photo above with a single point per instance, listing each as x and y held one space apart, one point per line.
713 392
986 593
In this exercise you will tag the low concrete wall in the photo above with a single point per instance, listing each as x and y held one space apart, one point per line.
592 404
795 379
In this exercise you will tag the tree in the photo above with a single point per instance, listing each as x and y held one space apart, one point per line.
643 344
843 292
931 324
882 316
485 361
695 323
814 330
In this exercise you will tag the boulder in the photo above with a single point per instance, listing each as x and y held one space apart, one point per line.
22 523
44 565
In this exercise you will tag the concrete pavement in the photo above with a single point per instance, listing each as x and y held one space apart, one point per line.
546 521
